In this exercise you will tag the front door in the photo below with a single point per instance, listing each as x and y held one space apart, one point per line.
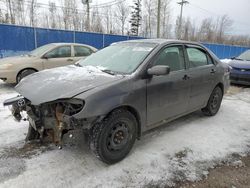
60 56
167 95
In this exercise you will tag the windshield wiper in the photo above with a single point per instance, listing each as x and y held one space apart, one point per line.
239 59
108 71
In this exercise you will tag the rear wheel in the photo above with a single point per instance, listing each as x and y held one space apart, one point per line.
24 73
112 139
214 102
32 134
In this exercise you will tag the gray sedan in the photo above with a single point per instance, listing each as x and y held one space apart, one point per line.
120 92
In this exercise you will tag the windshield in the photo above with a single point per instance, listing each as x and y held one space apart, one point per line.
244 56
119 58
41 50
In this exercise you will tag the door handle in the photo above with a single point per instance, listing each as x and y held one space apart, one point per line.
213 71
70 60
186 77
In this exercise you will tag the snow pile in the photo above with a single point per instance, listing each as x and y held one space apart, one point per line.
182 150
226 60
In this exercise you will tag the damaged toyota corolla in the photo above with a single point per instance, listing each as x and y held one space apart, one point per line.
120 92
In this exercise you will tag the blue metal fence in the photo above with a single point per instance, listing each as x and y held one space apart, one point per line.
16 40
226 51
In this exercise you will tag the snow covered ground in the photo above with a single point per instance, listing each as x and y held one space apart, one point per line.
182 150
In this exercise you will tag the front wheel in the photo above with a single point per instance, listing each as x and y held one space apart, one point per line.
112 139
214 102
23 74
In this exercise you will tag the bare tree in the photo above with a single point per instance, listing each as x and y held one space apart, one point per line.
96 25
2 19
20 12
207 30
147 21
165 19
66 14
225 23
108 20
122 14
52 12
11 12
33 7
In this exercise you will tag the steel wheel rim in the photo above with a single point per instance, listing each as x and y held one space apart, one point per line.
215 101
118 136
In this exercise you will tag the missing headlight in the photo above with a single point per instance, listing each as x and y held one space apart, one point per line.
70 107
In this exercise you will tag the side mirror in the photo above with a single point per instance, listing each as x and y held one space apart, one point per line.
233 57
158 70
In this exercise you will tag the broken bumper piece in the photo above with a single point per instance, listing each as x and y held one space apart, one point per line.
18 104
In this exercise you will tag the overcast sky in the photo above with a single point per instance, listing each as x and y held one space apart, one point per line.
237 10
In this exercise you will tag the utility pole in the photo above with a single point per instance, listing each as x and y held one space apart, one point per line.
86 2
158 18
183 2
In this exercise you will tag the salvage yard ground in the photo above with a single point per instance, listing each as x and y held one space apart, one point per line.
175 154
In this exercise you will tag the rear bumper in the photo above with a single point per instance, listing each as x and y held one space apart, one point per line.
8 76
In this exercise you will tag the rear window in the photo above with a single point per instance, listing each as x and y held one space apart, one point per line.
196 57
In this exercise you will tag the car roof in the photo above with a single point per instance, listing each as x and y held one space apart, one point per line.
71 43
67 43
160 41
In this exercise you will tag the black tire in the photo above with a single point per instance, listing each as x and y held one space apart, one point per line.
32 134
23 74
112 139
214 102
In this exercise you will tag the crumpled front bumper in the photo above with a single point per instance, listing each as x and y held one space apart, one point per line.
49 119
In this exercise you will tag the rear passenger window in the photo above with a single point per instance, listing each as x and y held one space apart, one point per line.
82 51
196 57
172 57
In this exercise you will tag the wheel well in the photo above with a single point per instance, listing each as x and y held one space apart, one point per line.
135 113
221 87
25 69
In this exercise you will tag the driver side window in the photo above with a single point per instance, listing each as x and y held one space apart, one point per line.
172 57
60 52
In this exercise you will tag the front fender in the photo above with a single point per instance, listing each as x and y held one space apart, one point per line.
101 101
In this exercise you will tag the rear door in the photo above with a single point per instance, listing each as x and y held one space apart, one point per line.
59 56
202 72
81 52
167 95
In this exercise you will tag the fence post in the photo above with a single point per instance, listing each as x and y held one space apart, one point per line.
74 36
230 49
103 40
35 37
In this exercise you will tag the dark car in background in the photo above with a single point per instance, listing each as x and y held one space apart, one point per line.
240 69
120 92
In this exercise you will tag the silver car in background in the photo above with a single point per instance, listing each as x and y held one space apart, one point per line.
13 69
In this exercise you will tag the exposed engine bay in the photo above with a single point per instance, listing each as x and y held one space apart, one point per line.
52 119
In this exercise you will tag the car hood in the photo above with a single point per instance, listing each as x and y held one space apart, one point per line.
62 82
240 64
16 59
